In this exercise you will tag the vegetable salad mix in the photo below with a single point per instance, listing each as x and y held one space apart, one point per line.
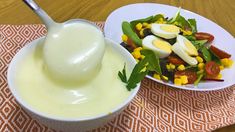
172 50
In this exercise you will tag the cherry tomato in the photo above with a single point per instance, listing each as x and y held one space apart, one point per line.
212 69
218 52
175 60
191 75
204 36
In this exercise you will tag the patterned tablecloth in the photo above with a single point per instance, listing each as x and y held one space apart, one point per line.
155 108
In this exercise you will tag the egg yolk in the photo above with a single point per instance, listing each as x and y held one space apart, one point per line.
170 28
162 45
191 49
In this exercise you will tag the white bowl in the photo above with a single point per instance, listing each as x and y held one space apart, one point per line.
79 124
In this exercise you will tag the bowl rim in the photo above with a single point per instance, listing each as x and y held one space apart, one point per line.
24 104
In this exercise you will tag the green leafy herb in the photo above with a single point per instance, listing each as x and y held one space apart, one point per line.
122 75
206 54
190 37
214 57
156 17
141 69
147 19
193 24
199 43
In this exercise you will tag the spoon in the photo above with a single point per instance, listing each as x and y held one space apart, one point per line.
72 50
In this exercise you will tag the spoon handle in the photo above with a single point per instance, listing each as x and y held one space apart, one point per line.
41 13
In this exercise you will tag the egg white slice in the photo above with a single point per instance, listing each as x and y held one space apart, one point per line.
187 45
160 47
167 31
179 50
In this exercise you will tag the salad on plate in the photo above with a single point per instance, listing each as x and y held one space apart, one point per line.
172 50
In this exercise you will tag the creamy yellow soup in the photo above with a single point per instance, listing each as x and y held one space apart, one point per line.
99 95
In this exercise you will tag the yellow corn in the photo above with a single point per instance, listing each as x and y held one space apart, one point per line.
172 66
142 56
138 26
219 76
136 54
201 66
184 79
168 67
230 63
199 59
145 24
124 38
165 78
138 49
142 32
225 62
186 32
148 26
156 76
177 81
221 67
181 67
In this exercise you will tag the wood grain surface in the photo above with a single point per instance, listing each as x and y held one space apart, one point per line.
221 12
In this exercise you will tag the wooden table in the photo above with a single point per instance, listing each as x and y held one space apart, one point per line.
16 12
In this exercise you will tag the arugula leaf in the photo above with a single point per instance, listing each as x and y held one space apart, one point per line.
122 75
206 54
141 69
193 24
199 43
215 57
147 19
156 17
154 64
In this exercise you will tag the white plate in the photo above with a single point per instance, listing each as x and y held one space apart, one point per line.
222 40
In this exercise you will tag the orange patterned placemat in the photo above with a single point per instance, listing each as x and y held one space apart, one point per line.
155 108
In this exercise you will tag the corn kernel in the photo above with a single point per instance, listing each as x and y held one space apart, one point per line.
225 62
201 66
145 24
142 56
230 63
138 49
136 54
221 67
172 66
186 32
148 26
165 78
219 76
124 38
142 32
156 76
181 67
184 79
199 59
177 81
168 67
138 26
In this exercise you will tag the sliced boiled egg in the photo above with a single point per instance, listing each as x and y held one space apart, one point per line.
185 50
160 47
167 31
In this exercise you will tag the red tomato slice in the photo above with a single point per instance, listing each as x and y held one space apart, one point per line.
220 53
191 75
175 60
204 36
212 69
